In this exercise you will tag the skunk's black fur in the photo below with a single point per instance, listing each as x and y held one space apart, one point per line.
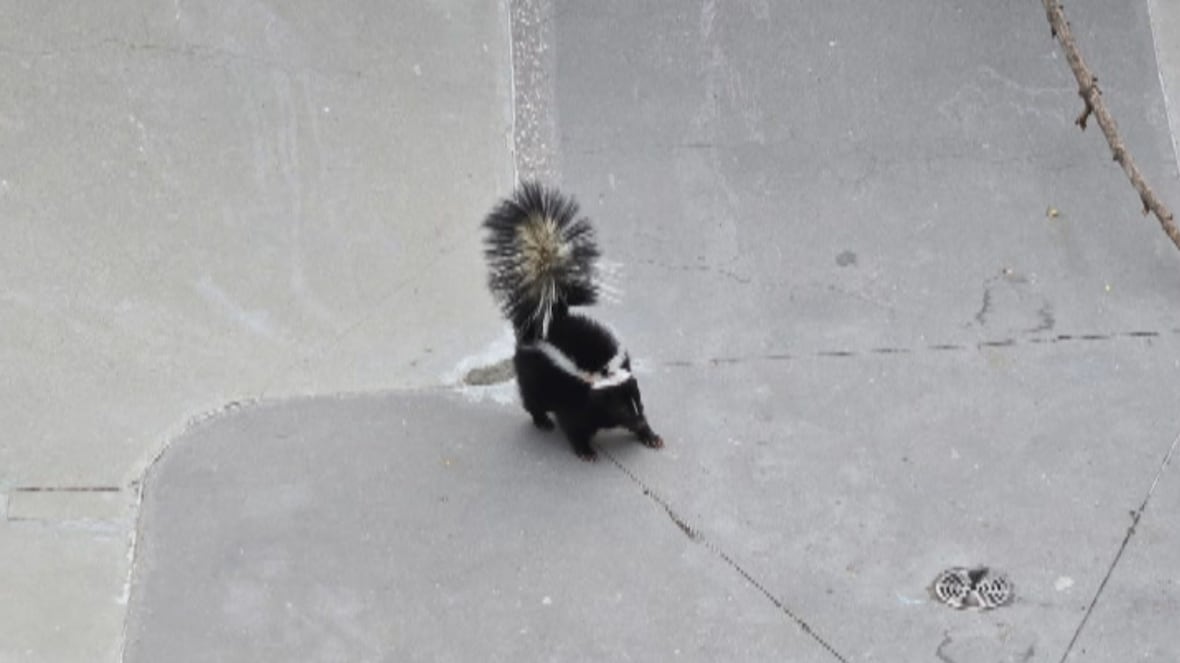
541 257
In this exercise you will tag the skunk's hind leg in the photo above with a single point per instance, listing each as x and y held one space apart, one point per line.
578 430
531 395
541 419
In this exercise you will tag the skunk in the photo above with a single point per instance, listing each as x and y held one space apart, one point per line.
542 259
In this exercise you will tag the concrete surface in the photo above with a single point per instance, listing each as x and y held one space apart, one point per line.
208 202
1165 25
872 351
199 182
1136 618
422 535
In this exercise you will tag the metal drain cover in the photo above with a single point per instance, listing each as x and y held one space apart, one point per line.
979 588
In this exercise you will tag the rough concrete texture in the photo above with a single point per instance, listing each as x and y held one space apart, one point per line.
1136 618
207 202
217 201
1165 24
422 527
64 591
429 527
918 319
892 313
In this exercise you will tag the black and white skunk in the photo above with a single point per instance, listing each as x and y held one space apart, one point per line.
542 260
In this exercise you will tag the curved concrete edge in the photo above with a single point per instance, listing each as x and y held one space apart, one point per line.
219 202
252 520
385 526
1165 28
196 425
452 384
1163 14
279 200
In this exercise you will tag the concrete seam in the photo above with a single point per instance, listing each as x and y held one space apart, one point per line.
503 372
132 563
192 423
534 112
1170 113
995 344
511 5
235 406
139 486
694 534
1136 515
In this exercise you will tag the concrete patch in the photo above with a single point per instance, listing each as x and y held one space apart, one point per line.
423 526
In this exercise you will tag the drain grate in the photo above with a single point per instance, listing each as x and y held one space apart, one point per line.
980 588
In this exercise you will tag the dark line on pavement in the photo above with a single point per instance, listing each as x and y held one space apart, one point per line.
1135 516
66 489
934 347
695 535
1008 342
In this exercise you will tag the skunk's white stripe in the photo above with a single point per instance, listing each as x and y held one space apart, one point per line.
559 359
616 375
613 380
616 362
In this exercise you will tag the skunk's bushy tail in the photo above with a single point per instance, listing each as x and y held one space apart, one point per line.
542 258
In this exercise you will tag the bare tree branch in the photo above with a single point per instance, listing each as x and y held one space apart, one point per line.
1092 96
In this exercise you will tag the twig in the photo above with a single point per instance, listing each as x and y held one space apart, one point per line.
1092 96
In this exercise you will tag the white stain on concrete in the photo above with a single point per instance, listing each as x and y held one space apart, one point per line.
497 351
908 600
256 321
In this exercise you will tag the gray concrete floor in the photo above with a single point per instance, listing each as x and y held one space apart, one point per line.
871 351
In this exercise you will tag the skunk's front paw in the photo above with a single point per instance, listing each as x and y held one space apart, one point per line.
653 441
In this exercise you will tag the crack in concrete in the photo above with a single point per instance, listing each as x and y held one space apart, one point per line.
694 534
1047 320
993 344
66 489
501 371
196 52
704 268
946 640
984 308
1136 515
